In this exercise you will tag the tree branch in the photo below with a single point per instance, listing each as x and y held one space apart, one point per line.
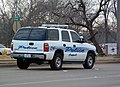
78 24
99 10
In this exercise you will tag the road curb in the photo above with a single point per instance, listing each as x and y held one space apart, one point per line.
7 65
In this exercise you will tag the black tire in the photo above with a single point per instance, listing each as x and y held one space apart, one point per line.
22 64
56 63
89 62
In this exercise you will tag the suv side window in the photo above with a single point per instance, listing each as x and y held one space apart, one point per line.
53 34
65 36
75 37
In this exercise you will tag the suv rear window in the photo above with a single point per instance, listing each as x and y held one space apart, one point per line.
38 34
31 34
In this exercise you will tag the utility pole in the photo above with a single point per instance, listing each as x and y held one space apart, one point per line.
16 17
16 12
118 27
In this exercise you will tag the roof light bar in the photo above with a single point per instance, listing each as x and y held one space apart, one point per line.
55 26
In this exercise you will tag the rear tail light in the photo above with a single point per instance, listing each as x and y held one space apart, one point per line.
11 46
46 47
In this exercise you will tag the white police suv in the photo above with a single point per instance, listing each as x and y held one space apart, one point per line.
53 44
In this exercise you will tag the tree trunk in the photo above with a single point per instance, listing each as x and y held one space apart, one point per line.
98 48
93 40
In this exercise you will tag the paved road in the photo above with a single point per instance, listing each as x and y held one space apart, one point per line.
102 75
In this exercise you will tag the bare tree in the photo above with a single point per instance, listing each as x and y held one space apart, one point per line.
82 16
80 13
34 12
110 8
6 25
114 8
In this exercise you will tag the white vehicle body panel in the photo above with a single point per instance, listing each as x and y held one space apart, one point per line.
72 51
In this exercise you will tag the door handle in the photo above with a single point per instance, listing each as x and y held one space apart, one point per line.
74 45
64 45
31 43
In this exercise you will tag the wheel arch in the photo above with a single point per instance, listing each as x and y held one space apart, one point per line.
91 51
60 52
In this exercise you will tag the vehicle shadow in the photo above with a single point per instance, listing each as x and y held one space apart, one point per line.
47 68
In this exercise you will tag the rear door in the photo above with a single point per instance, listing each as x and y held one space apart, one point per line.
29 40
66 43
20 40
20 46
36 40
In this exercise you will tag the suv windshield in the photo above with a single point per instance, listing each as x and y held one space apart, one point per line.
31 34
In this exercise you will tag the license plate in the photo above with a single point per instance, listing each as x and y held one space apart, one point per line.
27 55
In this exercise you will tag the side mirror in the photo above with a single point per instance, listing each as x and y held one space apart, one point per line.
82 40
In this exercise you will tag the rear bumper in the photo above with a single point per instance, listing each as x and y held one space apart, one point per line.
28 55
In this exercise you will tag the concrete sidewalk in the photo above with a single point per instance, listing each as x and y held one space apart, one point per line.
105 59
4 59
108 59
